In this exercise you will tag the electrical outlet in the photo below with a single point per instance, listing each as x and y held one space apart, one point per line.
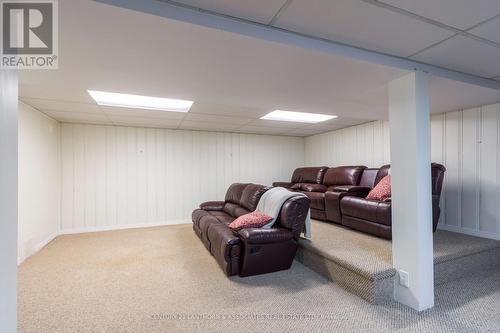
404 279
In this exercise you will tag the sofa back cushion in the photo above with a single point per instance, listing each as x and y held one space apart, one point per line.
343 175
251 196
437 172
235 210
382 172
234 193
242 198
309 175
368 177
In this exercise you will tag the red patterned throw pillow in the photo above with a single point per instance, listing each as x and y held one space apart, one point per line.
251 220
382 191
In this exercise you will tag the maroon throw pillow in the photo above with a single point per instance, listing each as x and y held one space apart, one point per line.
382 191
254 219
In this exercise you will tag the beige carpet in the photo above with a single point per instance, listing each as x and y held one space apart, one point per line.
164 280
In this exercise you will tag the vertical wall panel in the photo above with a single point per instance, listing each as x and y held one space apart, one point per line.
68 183
470 171
489 187
453 189
118 176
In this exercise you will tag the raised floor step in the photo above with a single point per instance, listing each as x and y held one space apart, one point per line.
362 264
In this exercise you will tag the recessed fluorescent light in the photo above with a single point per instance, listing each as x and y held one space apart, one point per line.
301 117
140 102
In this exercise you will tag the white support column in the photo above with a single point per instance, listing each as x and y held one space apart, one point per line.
8 201
412 241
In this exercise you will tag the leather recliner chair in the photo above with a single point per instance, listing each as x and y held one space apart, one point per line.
308 176
374 217
325 187
254 250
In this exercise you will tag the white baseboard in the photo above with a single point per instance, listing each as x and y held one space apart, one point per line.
467 231
25 255
121 227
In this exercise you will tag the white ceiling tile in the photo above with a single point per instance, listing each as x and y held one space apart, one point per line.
262 130
227 110
256 10
200 117
140 113
489 30
144 121
304 132
337 123
65 116
147 125
360 24
54 105
276 123
464 54
199 125
461 14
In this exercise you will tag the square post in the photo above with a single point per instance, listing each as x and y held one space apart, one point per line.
8 200
412 238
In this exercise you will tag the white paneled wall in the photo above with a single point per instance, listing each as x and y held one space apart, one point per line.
39 180
125 176
366 144
467 142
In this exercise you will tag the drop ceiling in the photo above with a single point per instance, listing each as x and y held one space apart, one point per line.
234 79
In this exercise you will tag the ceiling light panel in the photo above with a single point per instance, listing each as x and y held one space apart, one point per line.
140 102
300 117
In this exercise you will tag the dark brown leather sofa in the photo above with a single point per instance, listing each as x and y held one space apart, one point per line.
339 196
325 187
254 250
374 217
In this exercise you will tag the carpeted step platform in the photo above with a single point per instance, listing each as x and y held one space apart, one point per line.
362 264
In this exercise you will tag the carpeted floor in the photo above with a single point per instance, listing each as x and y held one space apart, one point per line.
372 256
164 280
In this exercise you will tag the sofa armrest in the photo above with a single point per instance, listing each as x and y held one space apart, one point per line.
212 205
350 188
283 184
309 187
263 236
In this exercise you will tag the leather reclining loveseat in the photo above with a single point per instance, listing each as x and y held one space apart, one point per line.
250 251
338 195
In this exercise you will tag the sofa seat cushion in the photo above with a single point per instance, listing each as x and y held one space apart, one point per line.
219 216
371 210
234 210
349 188
308 187
317 199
